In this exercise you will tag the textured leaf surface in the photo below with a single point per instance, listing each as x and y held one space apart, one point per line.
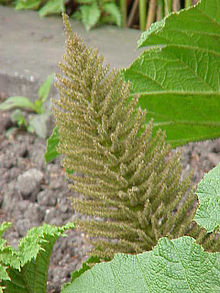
52 143
178 79
7 255
33 255
208 191
90 15
85 267
179 265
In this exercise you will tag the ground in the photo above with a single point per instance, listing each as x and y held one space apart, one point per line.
32 192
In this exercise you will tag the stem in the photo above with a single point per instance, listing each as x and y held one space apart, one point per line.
133 13
188 3
168 6
142 14
123 8
151 15
176 5
160 10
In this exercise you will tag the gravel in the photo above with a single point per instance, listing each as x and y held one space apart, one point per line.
33 193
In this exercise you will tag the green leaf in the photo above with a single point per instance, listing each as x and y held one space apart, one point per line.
4 227
208 191
77 15
90 15
177 79
52 7
34 253
18 117
38 124
44 90
85 267
28 4
52 143
178 265
86 1
113 10
7 256
18 102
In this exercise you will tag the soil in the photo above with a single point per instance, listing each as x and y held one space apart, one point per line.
32 192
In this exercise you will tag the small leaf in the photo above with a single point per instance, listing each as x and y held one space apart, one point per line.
18 102
28 4
52 143
3 274
90 15
113 10
44 90
38 123
178 265
208 191
18 117
8 255
34 253
52 7
37 238
4 227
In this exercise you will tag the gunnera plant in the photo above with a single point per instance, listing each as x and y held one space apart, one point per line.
131 189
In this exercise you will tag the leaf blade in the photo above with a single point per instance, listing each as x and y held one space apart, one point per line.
34 254
90 15
178 265
208 191
52 142
180 70
17 102
113 10
44 89
52 7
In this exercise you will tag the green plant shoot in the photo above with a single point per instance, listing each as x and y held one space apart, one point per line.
36 122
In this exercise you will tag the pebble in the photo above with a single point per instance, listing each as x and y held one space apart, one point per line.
28 184
52 216
47 198
22 226
214 158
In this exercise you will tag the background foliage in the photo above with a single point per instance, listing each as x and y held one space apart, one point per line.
127 13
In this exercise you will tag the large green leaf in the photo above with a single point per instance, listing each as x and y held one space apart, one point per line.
178 265
85 267
178 77
208 191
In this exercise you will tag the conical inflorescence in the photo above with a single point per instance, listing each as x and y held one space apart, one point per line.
131 189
